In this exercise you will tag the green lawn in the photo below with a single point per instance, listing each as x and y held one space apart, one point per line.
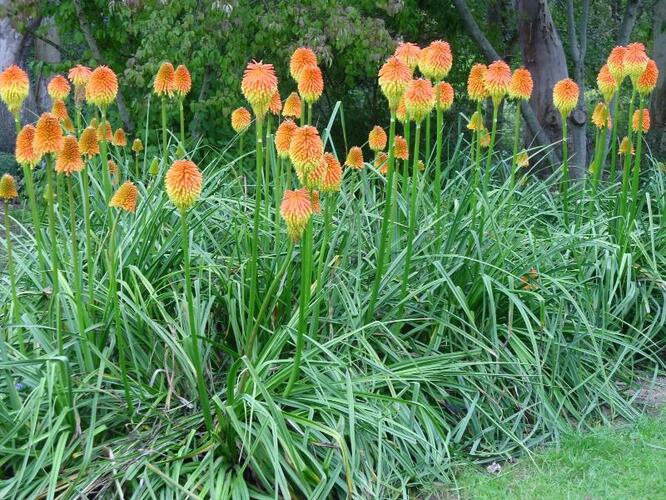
621 463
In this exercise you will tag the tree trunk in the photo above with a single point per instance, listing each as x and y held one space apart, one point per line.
658 111
629 18
10 43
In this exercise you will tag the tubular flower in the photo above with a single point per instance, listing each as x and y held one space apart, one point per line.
521 84
102 87
305 150
419 99
476 122
377 138
523 159
381 163
644 116
48 135
101 135
400 148
316 203
59 110
240 120
68 125
476 82
275 105
498 80
292 106
113 171
626 147
615 63
283 136
182 81
311 84
327 176
301 59
401 111
394 76
296 210
484 140
355 158
93 123
58 88
635 60
648 79
8 187
25 152
601 116
565 96
137 146
408 53
607 83
435 60
119 138
69 159
258 86
183 182
88 144
125 197
444 96
79 75
165 80
14 88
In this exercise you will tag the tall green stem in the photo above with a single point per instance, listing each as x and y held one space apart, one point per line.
427 139
565 170
181 110
622 209
254 257
407 128
54 251
90 263
12 279
613 165
516 144
637 166
106 175
438 170
165 143
491 148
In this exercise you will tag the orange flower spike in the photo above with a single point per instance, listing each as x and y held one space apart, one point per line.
58 88
69 159
644 116
311 84
165 80
101 135
401 111
626 147
316 202
240 120
296 210
283 136
394 77
306 149
79 75
408 53
355 158
25 152
182 81
419 99
600 116
331 179
521 84
102 87
275 105
498 80
14 88
258 86
292 106
301 59
476 83
8 189
48 135
125 197
137 146
381 162
88 144
444 96
119 139
183 182
436 60
68 125
59 110
565 96
607 83
377 138
400 148
648 79
635 60
615 63
113 171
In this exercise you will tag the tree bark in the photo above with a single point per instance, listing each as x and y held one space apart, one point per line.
658 106
10 44
631 13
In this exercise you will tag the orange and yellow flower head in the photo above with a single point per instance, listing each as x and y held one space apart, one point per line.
476 83
69 159
301 59
58 88
165 80
435 60
183 182
401 111
113 171
615 63
119 139
25 152
275 105
48 135
8 189
476 122
296 210
182 81
444 95
408 53
327 176
521 84
102 87
381 162
648 79
240 120
283 136
565 96
258 86
419 99
394 77
125 197
498 80
305 150
292 106
60 110
137 146
355 158
14 88
607 83
79 75
88 144
400 148
311 84
641 119
377 138
104 132
626 147
635 60
600 116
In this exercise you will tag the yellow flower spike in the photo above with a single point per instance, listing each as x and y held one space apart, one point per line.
615 63
137 146
14 88
292 106
296 210
419 99
258 86
183 183
381 162
476 122
626 147
394 77
104 132
408 53
648 79
88 143
635 60
484 139
48 135
240 120
60 110
68 125
25 152
102 87
165 80
476 83
58 88
377 138
119 139
125 197
283 136
444 95
113 171
401 111
8 189
69 159
327 176
275 105
521 84
565 96
311 84
400 148
305 150
498 80
435 60
601 116
355 158
607 83
644 116
79 75
182 81
301 59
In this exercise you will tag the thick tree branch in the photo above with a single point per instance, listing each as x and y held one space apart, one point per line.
631 13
